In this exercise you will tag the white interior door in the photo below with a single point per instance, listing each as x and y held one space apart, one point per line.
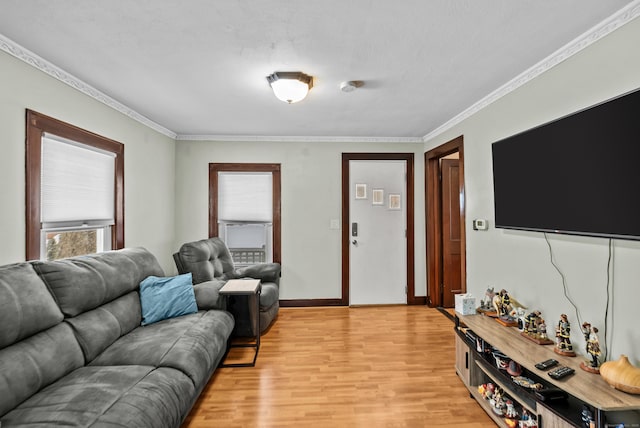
378 249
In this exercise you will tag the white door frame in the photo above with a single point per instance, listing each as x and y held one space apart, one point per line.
410 213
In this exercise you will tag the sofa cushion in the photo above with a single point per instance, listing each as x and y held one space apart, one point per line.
206 259
28 366
26 306
125 396
193 344
162 298
100 327
82 283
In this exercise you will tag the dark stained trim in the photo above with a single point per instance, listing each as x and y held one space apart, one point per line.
36 125
274 169
419 300
304 303
409 158
433 220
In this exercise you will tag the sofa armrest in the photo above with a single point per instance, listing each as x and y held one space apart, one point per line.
208 295
179 265
269 272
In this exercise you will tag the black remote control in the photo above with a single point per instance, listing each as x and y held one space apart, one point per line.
546 365
561 372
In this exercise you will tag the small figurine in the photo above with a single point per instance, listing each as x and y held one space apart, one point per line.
563 337
497 402
535 329
518 313
482 390
514 369
526 382
504 306
593 348
511 422
586 330
587 416
542 329
502 303
510 412
531 322
490 390
527 421
486 303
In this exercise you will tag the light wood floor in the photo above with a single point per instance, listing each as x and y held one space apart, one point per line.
386 366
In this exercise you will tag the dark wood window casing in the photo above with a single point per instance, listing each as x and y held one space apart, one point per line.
36 125
274 169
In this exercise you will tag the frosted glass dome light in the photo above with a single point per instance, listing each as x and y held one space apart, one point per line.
290 86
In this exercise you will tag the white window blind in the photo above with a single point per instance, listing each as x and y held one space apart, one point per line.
77 182
245 196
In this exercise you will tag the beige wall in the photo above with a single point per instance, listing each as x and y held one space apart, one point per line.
149 159
519 261
311 192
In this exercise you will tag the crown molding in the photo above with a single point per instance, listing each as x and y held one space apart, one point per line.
12 48
296 139
615 21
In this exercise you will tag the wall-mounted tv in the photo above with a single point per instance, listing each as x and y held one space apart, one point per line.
577 175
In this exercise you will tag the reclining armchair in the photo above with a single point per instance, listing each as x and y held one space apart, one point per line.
209 260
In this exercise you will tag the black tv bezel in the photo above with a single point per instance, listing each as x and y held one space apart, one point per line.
607 235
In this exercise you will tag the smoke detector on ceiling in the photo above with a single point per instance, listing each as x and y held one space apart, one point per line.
351 85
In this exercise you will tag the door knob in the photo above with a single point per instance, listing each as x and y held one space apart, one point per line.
354 242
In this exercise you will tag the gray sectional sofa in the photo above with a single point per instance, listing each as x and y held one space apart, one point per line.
73 351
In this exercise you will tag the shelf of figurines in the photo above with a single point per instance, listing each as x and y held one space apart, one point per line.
507 391
510 414
515 393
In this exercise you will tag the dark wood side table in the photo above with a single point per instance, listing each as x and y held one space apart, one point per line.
251 288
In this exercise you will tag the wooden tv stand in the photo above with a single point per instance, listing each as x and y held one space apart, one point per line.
608 406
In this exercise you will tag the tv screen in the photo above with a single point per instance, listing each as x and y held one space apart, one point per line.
577 175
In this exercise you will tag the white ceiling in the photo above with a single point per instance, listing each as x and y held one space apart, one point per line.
199 67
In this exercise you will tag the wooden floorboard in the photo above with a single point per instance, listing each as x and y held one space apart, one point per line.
383 366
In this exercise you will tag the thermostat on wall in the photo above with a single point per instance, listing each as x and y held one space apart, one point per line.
480 224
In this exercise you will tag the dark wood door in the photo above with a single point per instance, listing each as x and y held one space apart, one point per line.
451 255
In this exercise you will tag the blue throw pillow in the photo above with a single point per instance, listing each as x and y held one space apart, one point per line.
163 298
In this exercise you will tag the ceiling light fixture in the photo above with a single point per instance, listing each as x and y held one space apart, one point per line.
290 86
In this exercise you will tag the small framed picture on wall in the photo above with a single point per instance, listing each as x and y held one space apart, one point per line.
361 191
377 196
395 203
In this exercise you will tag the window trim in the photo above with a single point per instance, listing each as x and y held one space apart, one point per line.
274 169
36 125
98 229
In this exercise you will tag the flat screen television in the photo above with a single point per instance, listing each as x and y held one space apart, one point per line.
578 175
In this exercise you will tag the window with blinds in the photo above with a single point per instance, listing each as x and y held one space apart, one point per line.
245 215
77 184
74 182
76 198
